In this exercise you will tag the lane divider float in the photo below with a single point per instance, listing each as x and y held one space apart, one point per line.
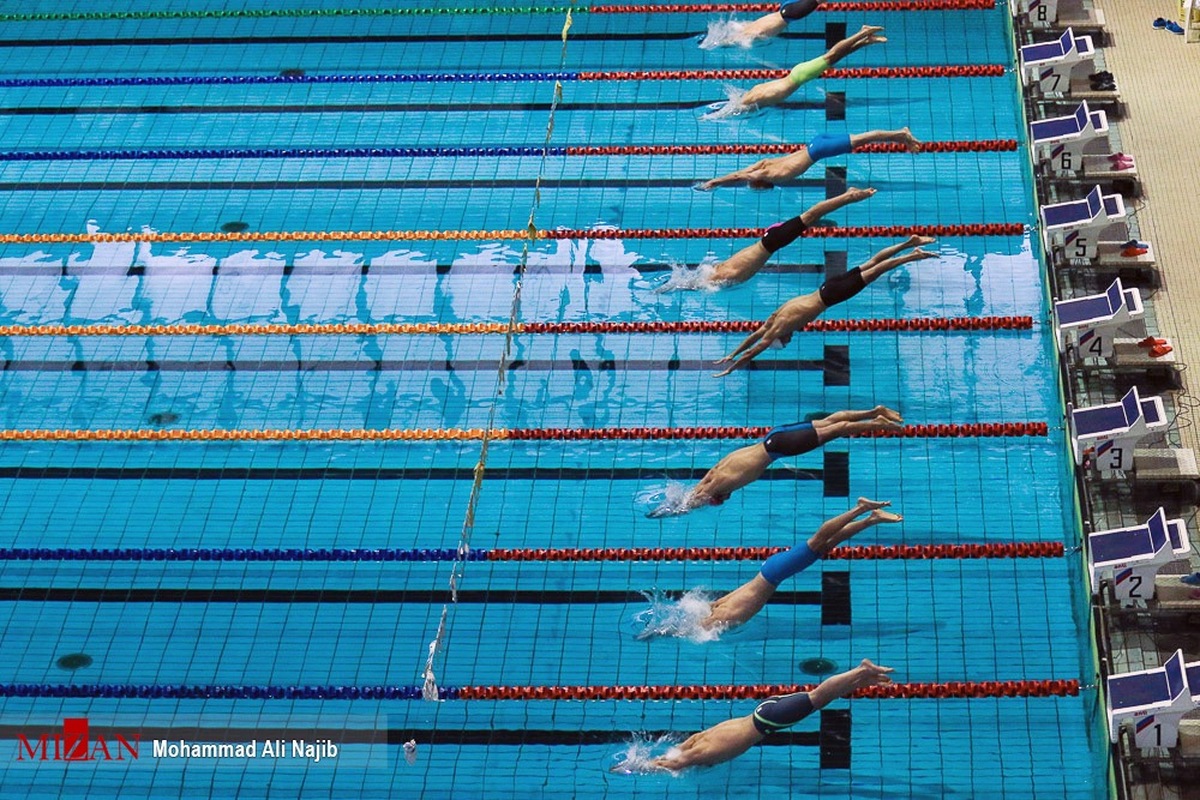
424 554
942 431
1018 323
530 151
837 232
894 691
438 10
943 71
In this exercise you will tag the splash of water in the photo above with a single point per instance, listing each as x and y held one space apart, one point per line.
668 500
688 278
725 32
732 107
683 618
638 756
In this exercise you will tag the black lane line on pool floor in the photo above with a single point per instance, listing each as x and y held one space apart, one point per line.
835 738
383 108
835 474
829 36
833 598
323 269
835 369
398 736
122 185
539 597
835 181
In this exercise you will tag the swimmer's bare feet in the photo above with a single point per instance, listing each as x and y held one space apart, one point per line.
871 674
885 516
855 195
887 413
886 424
923 254
869 505
916 240
909 141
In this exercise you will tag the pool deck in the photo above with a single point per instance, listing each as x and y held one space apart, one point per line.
1158 76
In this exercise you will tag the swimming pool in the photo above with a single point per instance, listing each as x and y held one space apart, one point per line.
181 564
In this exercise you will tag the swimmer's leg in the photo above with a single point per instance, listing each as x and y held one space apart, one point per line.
856 416
867 35
828 431
865 674
842 527
903 136
819 210
874 269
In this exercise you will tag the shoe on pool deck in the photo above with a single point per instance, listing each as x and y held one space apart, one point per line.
1191 580
1159 23
1134 252
1160 350
1175 27
1151 341
1134 243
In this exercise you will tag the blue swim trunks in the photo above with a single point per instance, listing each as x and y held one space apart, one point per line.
825 145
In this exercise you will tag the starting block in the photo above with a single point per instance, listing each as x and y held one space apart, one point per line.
1048 65
1153 701
1075 227
1060 141
1132 557
1093 320
1057 13
1111 431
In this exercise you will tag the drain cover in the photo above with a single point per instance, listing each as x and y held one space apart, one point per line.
818 666
75 661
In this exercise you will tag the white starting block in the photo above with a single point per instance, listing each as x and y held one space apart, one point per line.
1060 141
1076 226
1131 557
1056 13
1153 701
1048 65
1093 321
1111 431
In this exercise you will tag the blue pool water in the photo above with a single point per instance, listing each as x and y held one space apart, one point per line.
265 623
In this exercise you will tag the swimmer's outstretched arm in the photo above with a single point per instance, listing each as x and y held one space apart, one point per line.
742 175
